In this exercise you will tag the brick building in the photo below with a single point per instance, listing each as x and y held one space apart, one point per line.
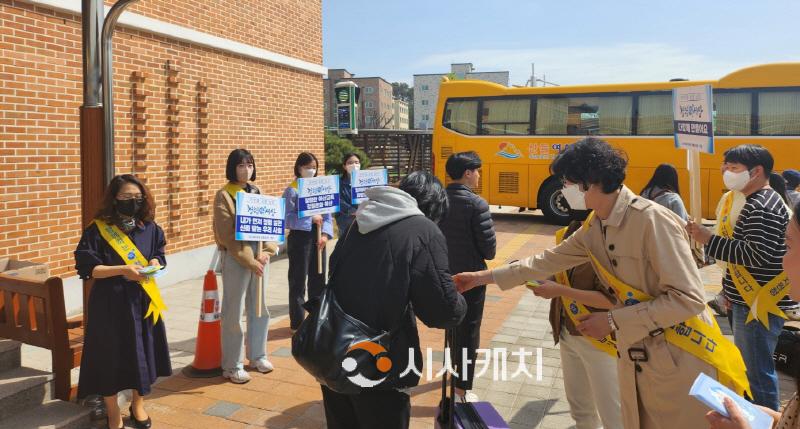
192 81
376 103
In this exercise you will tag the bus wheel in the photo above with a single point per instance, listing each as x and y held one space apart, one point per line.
553 204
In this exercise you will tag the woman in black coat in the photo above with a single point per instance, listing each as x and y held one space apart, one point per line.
393 255
123 349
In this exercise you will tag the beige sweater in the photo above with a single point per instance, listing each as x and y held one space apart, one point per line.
224 234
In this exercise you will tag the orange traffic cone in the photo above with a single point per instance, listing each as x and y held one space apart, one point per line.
208 348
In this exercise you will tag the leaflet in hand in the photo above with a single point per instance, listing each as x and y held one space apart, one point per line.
154 271
531 284
712 393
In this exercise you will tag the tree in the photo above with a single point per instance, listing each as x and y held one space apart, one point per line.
335 148
404 92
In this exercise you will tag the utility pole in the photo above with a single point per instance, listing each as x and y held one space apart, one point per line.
533 74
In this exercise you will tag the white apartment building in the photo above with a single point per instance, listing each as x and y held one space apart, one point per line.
426 90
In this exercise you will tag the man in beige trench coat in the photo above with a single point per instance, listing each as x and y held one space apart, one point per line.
645 246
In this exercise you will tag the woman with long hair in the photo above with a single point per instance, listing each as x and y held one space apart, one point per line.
125 346
663 189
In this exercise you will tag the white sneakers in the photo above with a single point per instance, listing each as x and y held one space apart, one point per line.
240 376
263 366
468 397
236 375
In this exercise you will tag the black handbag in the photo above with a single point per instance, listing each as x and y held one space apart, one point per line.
787 351
324 339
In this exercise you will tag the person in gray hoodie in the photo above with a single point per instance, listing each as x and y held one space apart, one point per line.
390 268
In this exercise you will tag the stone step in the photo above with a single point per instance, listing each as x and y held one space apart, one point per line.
53 414
9 354
22 389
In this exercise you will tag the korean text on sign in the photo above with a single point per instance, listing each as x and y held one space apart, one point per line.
259 217
365 179
317 195
692 118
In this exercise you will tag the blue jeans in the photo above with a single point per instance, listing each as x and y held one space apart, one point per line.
757 345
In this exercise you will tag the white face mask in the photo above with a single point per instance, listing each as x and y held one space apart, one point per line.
351 167
575 197
308 172
244 174
736 181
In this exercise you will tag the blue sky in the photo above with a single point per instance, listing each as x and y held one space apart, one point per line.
571 41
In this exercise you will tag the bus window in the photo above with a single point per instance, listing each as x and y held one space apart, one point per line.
779 113
461 116
584 115
506 117
655 115
732 114
551 116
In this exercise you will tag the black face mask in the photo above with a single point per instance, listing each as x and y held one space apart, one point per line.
130 207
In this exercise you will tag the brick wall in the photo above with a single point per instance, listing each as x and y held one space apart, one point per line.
274 111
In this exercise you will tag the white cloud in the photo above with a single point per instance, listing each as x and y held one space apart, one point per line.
630 62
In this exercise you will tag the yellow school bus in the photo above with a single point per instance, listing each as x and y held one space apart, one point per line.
518 131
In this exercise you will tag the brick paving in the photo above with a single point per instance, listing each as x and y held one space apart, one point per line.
290 398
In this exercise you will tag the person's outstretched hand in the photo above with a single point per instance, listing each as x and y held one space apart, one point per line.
466 281
735 421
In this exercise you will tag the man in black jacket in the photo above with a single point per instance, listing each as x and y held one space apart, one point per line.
470 241
388 268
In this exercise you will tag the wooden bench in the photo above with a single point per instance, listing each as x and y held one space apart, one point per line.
33 312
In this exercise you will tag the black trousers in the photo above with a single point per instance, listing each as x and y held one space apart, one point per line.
374 409
468 336
301 246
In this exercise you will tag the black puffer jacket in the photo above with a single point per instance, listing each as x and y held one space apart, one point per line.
469 230
391 258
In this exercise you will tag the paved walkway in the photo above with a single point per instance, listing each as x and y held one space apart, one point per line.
290 398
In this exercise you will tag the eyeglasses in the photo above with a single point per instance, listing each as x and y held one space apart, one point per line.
137 197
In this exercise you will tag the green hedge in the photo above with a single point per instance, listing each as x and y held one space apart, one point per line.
335 148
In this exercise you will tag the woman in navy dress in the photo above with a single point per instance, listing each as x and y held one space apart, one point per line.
122 349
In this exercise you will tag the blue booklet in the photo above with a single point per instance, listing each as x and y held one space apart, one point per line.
712 393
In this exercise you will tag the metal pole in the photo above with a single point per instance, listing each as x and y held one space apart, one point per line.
533 74
91 152
109 26
92 27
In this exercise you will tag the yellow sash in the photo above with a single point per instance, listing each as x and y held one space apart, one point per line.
232 189
762 300
574 309
704 341
132 256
